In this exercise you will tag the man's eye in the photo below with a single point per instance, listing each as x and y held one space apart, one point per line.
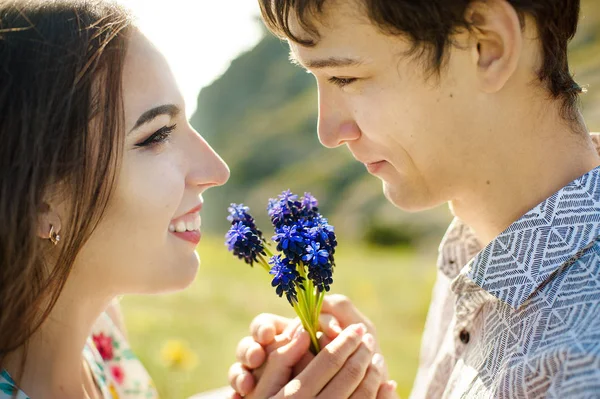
160 136
341 82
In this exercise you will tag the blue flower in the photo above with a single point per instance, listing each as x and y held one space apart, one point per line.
308 207
239 213
236 233
320 231
244 243
287 196
321 276
314 255
284 210
273 206
290 241
320 270
309 202
285 278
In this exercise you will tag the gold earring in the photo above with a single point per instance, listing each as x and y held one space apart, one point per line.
53 236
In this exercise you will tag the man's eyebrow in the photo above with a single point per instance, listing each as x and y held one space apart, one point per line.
167 109
331 62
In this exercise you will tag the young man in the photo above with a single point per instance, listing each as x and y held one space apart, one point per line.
469 102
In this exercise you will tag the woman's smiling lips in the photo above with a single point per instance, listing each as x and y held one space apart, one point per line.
187 227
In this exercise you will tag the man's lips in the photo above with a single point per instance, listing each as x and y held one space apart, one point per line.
374 167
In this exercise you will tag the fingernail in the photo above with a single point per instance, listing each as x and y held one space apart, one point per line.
336 328
378 361
392 385
298 332
360 328
238 383
369 341
261 332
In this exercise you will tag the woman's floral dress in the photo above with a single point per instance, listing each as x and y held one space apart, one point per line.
117 371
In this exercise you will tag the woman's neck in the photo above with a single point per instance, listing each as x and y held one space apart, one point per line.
53 355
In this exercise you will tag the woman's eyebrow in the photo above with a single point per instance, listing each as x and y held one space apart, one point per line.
167 109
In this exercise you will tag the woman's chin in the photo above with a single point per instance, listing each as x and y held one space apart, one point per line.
175 278
184 275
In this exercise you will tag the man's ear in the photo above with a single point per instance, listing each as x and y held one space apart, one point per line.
48 220
497 43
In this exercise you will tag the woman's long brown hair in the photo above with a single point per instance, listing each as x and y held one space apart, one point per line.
60 134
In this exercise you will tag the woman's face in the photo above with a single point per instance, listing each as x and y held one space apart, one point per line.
146 240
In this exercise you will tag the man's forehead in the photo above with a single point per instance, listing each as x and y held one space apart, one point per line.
325 60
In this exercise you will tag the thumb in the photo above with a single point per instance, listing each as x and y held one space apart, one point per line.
278 370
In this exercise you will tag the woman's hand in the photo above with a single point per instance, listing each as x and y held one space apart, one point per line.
270 332
345 368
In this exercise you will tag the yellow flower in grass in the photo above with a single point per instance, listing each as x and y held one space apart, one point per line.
113 391
177 355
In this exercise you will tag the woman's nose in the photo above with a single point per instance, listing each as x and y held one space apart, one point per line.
208 168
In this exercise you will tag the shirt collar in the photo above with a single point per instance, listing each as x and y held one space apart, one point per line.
520 259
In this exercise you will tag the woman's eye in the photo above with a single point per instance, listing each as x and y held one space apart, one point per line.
341 82
160 136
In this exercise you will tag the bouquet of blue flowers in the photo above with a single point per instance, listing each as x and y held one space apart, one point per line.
302 265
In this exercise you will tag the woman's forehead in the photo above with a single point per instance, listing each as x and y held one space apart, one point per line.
147 79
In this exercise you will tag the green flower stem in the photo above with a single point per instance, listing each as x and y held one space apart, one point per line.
268 251
263 262
320 296
298 308
305 309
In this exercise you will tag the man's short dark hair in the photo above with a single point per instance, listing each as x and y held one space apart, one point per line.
430 25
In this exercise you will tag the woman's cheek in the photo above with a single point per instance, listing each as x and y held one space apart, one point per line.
154 192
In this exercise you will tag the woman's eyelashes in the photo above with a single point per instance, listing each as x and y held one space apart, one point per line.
160 136
341 82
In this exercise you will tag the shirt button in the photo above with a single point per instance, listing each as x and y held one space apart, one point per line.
464 337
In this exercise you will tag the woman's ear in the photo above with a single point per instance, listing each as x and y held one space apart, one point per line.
497 44
49 223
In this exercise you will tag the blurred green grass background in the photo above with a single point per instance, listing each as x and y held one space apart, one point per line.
215 312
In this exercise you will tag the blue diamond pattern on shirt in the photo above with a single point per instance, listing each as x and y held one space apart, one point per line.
551 235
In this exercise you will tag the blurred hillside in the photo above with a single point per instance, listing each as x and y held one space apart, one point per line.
261 117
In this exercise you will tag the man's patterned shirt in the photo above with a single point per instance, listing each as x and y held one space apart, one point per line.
519 318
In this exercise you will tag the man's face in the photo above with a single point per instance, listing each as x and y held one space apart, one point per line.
411 129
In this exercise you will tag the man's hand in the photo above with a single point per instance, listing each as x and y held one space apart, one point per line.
270 332
345 368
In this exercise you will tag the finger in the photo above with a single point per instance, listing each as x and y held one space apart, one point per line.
387 390
330 360
340 307
279 366
240 379
324 340
292 327
250 353
235 395
350 376
266 326
329 325
285 337
370 385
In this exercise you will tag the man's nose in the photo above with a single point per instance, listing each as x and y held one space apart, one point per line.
336 126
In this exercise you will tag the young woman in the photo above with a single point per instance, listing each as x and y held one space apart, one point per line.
101 182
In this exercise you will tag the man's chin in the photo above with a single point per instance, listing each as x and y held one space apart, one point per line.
407 198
